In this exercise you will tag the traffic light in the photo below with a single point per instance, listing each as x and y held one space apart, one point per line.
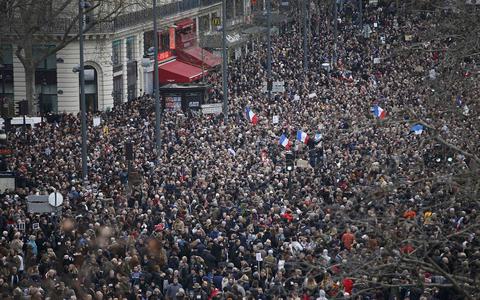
129 150
289 160
269 85
22 108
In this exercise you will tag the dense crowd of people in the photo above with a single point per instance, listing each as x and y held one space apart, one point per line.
219 216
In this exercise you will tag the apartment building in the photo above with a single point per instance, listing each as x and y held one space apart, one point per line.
113 51
118 60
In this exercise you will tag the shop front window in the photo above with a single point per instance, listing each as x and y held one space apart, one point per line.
130 49
6 80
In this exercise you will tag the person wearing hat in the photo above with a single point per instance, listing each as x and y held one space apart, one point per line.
244 281
179 295
270 261
198 292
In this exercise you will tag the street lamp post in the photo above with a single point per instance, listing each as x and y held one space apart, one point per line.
305 37
41 101
335 25
269 45
290 170
3 98
360 7
290 165
225 61
3 84
156 85
83 109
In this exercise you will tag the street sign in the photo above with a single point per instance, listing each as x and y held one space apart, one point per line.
7 181
277 87
55 199
38 204
212 108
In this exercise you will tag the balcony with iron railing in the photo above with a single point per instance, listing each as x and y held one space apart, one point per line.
170 9
62 25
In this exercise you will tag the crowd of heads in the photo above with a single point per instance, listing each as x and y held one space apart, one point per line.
206 222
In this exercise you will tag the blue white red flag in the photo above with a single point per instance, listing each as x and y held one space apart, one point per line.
251 116
379 112
285 142
302 136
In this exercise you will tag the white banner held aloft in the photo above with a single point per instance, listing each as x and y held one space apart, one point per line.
96 121
275 120
259 257
312 95
281 264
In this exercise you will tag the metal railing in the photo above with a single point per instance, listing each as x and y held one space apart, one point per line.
61 25
145 15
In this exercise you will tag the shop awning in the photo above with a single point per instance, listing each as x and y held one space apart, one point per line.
176 71
184 23
196 56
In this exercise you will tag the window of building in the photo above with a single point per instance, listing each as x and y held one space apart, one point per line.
203 23
130 48
239 7
117 52
91 91
6 81
164 41
147 41
50 63
46 79
257 5
230 5
6 55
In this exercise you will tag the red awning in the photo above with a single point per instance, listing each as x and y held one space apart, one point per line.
178 72
184 23
195 56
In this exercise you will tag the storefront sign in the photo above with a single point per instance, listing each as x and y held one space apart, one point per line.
216 21
172 37
164 55
173 103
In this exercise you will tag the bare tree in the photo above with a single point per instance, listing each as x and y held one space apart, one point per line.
51 22
435 249
420 231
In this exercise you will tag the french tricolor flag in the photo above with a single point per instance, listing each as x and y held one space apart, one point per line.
302 136
251 116
285 142
379 112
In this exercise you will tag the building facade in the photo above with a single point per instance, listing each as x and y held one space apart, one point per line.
117 68
113 61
